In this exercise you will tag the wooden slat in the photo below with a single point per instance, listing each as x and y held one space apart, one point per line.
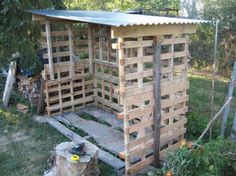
152 30
140 165
130 76
59 54
173 126
49 47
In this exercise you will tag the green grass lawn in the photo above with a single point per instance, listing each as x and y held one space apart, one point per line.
25 145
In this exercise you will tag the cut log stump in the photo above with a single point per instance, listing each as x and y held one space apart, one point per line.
64 166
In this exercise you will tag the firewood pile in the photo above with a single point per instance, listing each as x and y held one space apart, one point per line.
29 87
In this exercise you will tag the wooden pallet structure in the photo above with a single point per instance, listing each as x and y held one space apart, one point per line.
138 72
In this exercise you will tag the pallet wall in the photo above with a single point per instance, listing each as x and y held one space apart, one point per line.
106 71
68 82
136 92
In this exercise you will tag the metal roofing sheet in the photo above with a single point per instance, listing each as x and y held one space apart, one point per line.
113 18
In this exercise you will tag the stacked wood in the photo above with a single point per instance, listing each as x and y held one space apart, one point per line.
29 87
63 165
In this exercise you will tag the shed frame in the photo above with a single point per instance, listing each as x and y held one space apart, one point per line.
112 67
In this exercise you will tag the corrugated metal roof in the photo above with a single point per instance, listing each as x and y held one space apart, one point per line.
113 18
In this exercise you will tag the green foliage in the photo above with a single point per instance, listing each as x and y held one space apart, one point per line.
216 157
18 33
150 6
203 41
101 4
202 49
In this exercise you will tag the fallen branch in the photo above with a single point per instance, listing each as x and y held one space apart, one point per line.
213 119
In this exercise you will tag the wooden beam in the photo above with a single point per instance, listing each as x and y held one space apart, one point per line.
157 97
230 94
90 47
49 47
146 30
71 50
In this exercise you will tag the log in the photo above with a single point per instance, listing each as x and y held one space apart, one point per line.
63 165
9 83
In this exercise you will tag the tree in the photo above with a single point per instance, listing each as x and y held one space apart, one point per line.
18 33
225 12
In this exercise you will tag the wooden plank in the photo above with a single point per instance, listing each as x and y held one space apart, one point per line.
107 77
106 63
139 98
140 125
169 102
135 60
135 113
169 149
131 76
165 139
230 94
175 125
71 50
157 98
174 40
140 165
176 113
106 137
152 30
100 114
109 159
49 48
90 47
108 103
67 104
57 54
138 141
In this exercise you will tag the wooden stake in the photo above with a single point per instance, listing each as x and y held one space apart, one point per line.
213 77
233 132
227 108
49 47
157 96
41 97
9 84
90 46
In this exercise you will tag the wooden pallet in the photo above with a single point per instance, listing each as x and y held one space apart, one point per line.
137 97
105 70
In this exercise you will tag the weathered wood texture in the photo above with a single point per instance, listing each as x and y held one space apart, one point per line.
136 92
11 78
67 62
105 69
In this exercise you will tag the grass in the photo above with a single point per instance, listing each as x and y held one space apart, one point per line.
25 145
199 105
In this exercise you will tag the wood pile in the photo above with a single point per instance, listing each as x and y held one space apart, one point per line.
30 88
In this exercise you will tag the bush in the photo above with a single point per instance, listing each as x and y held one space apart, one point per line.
217 157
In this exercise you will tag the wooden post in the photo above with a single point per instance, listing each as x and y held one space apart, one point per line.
9 83
157 96
49 47
41 97
233 131
90 47
71 48
213 76
227 108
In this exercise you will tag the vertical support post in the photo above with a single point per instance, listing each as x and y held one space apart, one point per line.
230 94
71 48
157 96
233 132
90 47
49 47
213 76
